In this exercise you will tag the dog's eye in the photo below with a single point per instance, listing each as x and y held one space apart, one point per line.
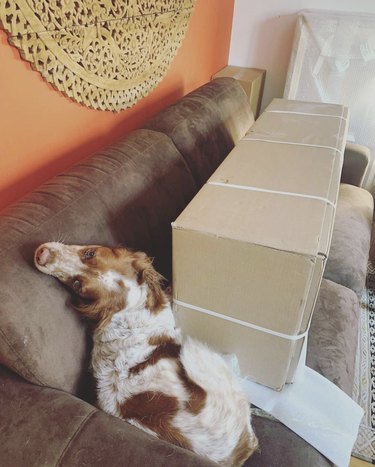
76 285
89 254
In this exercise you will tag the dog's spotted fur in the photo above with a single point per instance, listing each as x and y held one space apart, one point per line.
176 390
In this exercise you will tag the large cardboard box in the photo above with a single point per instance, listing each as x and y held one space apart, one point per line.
249 250
251 79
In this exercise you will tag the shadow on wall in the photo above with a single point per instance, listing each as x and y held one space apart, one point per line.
65 160
271 49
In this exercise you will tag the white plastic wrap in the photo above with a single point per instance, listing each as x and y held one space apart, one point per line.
313 407
333 60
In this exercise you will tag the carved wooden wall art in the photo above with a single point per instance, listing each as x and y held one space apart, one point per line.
105 54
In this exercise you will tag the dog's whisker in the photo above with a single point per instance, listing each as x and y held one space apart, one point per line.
60 238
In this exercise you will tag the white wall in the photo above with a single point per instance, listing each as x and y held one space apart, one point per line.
262 34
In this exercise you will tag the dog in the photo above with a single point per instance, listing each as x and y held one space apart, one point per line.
176 389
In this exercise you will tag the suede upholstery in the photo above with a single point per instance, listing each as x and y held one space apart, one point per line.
206 124
333 335
348 255
357 159
47 427
280 447
128 193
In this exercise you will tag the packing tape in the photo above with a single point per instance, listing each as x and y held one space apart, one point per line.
265 190
289 337
263 140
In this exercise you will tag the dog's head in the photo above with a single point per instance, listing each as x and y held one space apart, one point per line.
103 280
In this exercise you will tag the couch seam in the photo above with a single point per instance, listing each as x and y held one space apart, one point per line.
187 165
75 434
93 189
19 359
211 104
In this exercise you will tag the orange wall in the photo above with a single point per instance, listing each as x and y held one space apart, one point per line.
42 132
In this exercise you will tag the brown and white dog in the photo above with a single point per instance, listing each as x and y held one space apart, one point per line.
178 390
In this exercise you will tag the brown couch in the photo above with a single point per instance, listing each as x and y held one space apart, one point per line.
128 193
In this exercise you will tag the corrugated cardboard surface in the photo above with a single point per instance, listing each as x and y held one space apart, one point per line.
252 244
310 125
259 354
289 168
252 283
252 81
282 222
316 108
277 127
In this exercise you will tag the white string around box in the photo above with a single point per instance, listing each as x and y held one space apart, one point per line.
246 324
248 136
295 112
313 407
265 190
291 143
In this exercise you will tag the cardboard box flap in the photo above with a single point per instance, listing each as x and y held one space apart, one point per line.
305 123
279 221
297 169
289 128
316 108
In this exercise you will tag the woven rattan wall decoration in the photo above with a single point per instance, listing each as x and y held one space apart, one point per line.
105 54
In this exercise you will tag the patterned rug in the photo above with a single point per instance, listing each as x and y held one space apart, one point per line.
364 384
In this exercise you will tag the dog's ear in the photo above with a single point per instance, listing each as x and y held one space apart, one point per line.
85 306
146 273
100 310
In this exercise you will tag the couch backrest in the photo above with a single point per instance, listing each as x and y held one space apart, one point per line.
206 124
127 194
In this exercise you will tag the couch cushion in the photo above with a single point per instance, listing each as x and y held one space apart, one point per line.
332 341
127 194
206 124
356 163
46 427
280 447
348 255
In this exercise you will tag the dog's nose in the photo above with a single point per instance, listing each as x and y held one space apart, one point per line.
42 255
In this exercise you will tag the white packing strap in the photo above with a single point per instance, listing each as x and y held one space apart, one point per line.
242 323
305 113
265 190
292 143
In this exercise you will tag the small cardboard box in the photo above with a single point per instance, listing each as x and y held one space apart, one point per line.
251 79
249 250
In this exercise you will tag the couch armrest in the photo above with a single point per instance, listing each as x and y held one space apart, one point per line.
43 426
356 161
